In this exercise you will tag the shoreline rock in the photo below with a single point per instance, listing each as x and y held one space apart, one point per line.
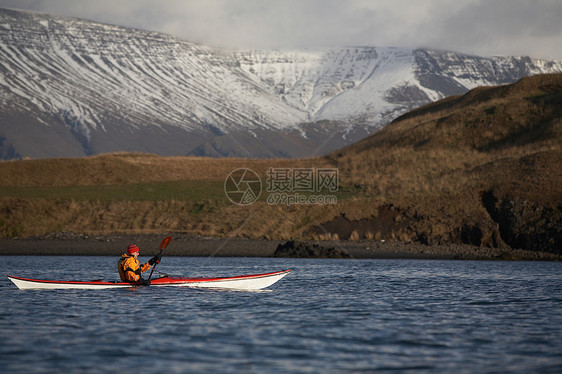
301 249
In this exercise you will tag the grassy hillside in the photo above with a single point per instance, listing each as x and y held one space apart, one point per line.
484 168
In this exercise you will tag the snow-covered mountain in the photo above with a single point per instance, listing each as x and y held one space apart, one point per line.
70 87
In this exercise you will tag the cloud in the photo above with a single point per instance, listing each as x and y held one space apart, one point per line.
485 27
510 27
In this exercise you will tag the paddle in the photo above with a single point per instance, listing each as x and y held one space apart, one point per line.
163 245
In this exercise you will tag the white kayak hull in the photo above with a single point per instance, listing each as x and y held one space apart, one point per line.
240 282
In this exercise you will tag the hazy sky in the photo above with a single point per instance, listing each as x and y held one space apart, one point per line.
483 27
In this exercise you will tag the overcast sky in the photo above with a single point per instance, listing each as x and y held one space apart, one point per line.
482 27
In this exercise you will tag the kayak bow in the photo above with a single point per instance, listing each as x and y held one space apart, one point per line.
240 282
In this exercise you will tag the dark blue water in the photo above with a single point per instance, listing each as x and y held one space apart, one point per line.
335 316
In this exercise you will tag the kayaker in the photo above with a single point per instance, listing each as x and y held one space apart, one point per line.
129 268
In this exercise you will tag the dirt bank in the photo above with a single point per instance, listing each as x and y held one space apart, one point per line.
184 245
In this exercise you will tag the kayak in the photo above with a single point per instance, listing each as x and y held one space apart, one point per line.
240 282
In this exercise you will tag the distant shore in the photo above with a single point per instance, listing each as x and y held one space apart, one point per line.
70 244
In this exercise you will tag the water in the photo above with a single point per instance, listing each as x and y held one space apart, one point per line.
335 316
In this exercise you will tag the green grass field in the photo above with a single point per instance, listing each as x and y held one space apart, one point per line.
149 191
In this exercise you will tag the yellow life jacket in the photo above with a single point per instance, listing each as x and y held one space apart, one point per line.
129 268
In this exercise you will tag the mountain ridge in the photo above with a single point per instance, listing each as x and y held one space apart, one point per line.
74 87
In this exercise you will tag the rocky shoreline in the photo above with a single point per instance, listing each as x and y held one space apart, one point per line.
71 244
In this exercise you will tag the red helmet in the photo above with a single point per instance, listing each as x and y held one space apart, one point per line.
132 248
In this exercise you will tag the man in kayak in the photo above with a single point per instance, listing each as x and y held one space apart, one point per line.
129 268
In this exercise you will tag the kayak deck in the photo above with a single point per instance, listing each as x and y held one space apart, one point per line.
240 282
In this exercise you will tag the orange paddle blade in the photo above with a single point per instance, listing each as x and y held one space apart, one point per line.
165 242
